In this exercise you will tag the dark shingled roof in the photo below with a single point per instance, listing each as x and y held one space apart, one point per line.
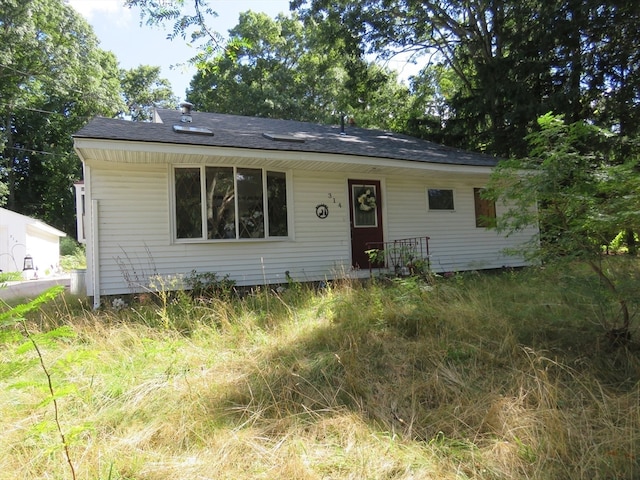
269 134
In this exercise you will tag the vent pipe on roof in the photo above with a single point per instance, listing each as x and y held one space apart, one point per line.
185 110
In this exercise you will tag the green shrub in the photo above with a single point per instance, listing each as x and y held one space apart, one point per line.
207 284
74 260
68 246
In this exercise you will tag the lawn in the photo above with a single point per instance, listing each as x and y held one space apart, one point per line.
485 376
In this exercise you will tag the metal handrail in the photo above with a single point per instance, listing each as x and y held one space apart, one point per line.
403 256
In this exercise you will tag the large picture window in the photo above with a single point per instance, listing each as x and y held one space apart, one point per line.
217 203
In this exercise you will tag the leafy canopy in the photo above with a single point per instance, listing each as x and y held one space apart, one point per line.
53 78
143 89
283 68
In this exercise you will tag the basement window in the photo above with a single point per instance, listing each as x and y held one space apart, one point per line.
230 203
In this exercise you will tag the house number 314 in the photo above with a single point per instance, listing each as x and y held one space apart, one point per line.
333 199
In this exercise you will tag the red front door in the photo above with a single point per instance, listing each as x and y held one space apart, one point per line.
365 213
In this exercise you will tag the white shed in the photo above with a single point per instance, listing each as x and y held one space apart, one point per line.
21 238
265 200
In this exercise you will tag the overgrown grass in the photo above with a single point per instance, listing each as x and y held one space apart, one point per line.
486 376
10 277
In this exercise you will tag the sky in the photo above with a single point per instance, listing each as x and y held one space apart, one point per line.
118 29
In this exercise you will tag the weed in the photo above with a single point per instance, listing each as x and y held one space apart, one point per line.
478 376
15 317
209 285
10 277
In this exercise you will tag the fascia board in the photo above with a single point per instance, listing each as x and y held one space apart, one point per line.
81 144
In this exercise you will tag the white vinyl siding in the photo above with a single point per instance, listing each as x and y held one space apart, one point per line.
455 243
136 239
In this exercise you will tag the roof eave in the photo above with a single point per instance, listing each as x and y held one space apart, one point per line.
127 151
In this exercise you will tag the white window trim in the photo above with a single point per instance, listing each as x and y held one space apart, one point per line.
441 210
203 200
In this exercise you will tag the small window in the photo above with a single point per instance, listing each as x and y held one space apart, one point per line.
485 210
440 199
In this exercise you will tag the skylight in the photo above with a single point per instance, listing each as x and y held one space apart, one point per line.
192 130
277 137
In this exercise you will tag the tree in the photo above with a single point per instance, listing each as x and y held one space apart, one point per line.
281 68
583 195
497 49
432 92
263 73
53 78
143 89
513 60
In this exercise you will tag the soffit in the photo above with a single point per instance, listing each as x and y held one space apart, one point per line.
111 153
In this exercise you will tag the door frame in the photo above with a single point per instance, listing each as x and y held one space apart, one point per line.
359 235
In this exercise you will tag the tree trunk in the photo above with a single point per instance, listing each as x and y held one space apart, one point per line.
618 336
630 239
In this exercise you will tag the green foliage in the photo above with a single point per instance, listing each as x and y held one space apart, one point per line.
573 189
10 277
143 90
68 246
4 193
74 262
403 260
15 315
570 188
504 63
72 254
209 285
619 244
187 20
53 78
37 342
283 68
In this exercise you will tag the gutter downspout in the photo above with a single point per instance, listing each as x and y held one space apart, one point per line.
95 255
91 234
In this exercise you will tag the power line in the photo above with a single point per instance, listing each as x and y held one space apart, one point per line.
32 151
39 74
39 110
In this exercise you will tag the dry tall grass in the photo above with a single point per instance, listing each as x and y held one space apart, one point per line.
479 376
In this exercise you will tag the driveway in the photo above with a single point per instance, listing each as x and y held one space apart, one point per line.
31 288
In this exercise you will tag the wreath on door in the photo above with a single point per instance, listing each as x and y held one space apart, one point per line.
366 201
